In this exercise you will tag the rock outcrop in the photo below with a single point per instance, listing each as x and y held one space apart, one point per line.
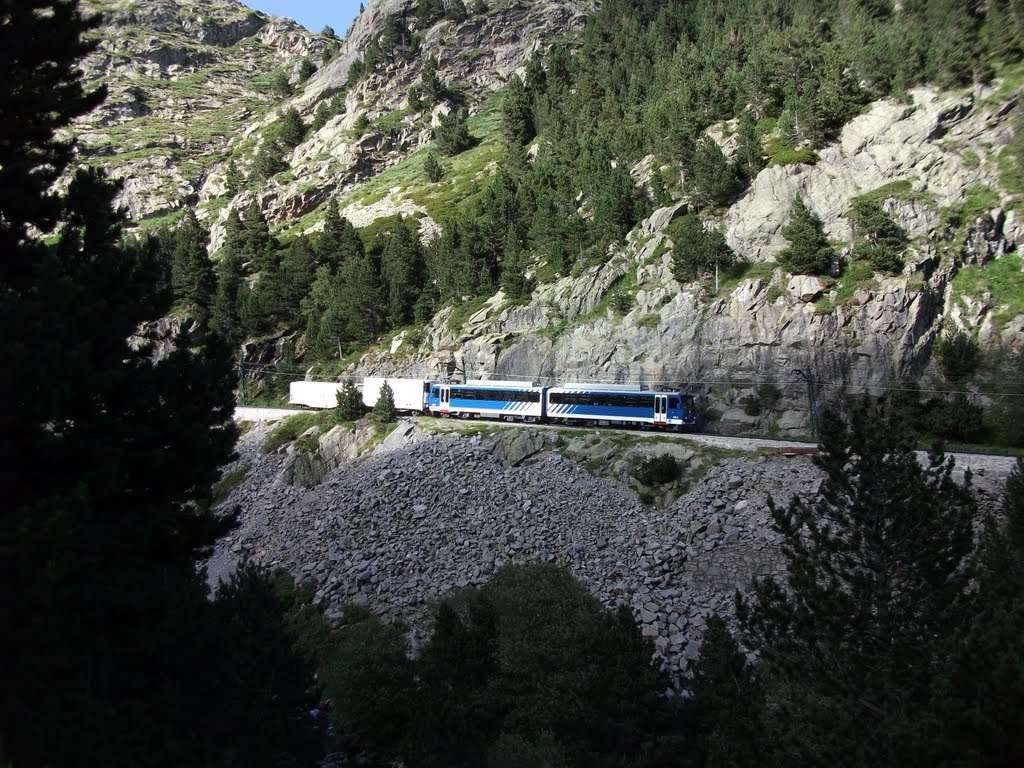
770 330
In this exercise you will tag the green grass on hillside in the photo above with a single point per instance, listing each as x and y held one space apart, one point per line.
1002 279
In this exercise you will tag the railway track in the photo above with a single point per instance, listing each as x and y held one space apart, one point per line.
987 465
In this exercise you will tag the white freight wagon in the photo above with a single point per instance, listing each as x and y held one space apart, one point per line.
410 394
314 394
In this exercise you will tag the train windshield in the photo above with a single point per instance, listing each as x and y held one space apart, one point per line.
689 403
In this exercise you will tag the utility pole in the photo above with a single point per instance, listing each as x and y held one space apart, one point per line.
241 380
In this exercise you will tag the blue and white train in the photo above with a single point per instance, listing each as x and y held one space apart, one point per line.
579 404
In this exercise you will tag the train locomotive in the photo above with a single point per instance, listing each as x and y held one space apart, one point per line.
624 405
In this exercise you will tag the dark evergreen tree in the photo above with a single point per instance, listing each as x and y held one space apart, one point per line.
697 251
433 88
287 285
339 240
516 113
252 239
314 306
384 409
192 276
958 355
306 69
877 571
809 251
432 167
107 456
456 11
452 134
291 130
403 272
279 84
727 701
714 180
224 317
269 160
513 271
233 179
350 402
321 116
882 241
42 94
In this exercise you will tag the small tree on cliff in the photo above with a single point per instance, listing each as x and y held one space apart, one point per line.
809 251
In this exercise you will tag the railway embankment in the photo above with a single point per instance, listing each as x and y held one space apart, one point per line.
398 522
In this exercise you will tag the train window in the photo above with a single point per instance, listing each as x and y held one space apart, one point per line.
673 402
689 403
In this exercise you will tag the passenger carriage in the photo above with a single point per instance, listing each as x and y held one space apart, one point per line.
508 400
620 405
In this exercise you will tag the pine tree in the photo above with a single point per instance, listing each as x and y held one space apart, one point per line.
192 276
452 134
321 116
307 68
339 240
291 130
516 114
513 271
698 251
350 402
402 271
432 85
882 241
107 457
809 252
877 570
727 701
714 180
432 167
233 179
224 317
269 160
314 306
384 410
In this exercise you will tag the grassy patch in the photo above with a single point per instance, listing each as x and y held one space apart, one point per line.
289 430
464 310
729 279
228 483
463 173
1011 174
793 156
649 321
856 274
1002 279
894 190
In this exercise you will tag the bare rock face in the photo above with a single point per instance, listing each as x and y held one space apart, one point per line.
184 80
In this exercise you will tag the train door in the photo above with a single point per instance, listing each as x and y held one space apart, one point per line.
660 410
446 395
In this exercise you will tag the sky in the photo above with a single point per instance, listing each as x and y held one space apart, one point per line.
312 14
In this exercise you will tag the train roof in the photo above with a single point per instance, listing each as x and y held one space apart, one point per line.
597 387
483 383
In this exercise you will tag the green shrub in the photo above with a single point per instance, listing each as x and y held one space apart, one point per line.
657 470
959 355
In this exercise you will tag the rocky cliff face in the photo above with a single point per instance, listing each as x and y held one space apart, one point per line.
184 80
745 341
